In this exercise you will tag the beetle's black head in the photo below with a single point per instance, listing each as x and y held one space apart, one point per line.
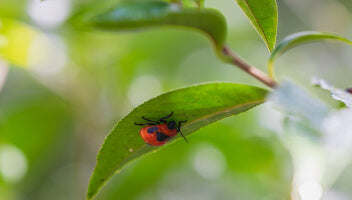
171 125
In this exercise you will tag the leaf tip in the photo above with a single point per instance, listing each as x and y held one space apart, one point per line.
91 191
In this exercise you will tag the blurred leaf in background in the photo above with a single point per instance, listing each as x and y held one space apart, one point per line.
35 123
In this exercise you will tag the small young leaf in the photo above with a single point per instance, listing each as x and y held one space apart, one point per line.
200 105
300 38
264 17
336 93
136 15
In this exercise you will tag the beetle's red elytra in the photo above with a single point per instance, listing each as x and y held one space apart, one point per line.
157 133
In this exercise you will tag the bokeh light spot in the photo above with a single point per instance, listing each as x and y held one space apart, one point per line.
47 54
49 13
13 163
3 40
209 161
310 191
143 88
4 68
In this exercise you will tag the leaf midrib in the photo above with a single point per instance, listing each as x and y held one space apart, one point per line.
260 26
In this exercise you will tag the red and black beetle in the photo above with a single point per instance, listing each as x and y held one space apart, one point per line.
157 133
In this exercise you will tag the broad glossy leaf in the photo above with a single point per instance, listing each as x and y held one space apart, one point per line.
261 165
200 105
264 17
137 15
300 38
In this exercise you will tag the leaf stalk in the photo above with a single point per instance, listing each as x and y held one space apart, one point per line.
234 59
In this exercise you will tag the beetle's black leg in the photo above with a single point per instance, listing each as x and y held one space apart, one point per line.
179 123
144 124
149 120
183 136
163 118
179 129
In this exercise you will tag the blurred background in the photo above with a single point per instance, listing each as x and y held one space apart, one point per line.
62 90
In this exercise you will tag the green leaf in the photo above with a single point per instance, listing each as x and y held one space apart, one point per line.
137 15
300 38
200 105
264 17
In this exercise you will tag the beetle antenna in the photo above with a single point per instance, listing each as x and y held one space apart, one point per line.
149 120
163 118
144 124
183 136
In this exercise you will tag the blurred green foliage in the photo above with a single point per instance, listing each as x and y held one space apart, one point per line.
58 120
38 123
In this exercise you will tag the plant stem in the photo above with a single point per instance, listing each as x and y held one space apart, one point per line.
255 72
